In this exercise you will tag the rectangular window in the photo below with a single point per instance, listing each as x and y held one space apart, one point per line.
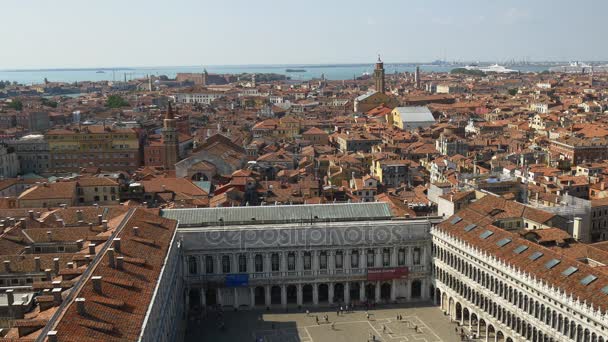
291 262
226 264
242 264
208 264
323 260
307 261
401 257
275 262
386 257
354 259
259 263
339 260
370 258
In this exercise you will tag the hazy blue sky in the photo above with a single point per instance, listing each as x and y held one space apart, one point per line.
96 33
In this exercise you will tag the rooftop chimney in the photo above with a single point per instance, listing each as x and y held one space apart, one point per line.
10 297
97 284
48 274
57 295
51 336
111 257
99 219
56 265
37 264
30 213
7 266
92 248
136 231
119 262
23 223
80 306
49 235
56 284
104 224
117 245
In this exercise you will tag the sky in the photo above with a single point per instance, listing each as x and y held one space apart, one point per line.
110 33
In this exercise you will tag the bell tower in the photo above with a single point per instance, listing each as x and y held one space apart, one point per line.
379 76
170 139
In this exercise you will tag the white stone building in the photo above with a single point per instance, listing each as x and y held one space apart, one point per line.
302 255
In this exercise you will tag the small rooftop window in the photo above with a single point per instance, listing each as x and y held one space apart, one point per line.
520 249
455 220
503 242
470 227
570 271
605 289
535 255
588 279
552 263
486 234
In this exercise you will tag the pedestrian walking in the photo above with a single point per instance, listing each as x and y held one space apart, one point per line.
307 313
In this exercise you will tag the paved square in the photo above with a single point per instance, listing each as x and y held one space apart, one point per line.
423 323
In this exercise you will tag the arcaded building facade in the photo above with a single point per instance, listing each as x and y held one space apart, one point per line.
302 255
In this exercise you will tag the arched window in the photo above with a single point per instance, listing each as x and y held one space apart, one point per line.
192 265
226 264
354 259
208 264
274 260
259 263
242 263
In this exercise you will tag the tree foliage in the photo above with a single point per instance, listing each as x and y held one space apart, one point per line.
116 101
16 105
471 72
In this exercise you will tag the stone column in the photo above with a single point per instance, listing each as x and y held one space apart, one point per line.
315 294
408 290
283 256
187 299
347 293
236 298
252 297
377 292
363 256
378 257
218 263
299 287
394 253
315 261
284 295
393 290
331 261
267 295
251 263
346 261
220 299
267 265
201 264
299 261
362 291
330 292
234 267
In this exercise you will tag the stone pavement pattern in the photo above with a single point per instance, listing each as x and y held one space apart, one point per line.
433 326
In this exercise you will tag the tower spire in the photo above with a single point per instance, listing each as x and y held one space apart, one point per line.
169 112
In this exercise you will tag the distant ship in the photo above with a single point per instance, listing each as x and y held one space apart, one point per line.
295 70
100 72
498 69
579 68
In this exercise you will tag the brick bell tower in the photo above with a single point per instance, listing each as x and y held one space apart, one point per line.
379 76
170 139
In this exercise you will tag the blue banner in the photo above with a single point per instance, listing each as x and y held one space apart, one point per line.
237 280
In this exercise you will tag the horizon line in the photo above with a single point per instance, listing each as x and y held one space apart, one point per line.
111 68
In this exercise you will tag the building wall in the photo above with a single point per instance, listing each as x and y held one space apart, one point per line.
283 261
9 163
499 300
166 316
33 154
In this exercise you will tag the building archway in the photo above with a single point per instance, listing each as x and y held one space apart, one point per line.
416 289
370 291
292 294
500 337
482 328
355 289
259 296
338 293
491 332
466 316
275 295
437 294
307 294
194 298
211 297
458 312
323 293
385 291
